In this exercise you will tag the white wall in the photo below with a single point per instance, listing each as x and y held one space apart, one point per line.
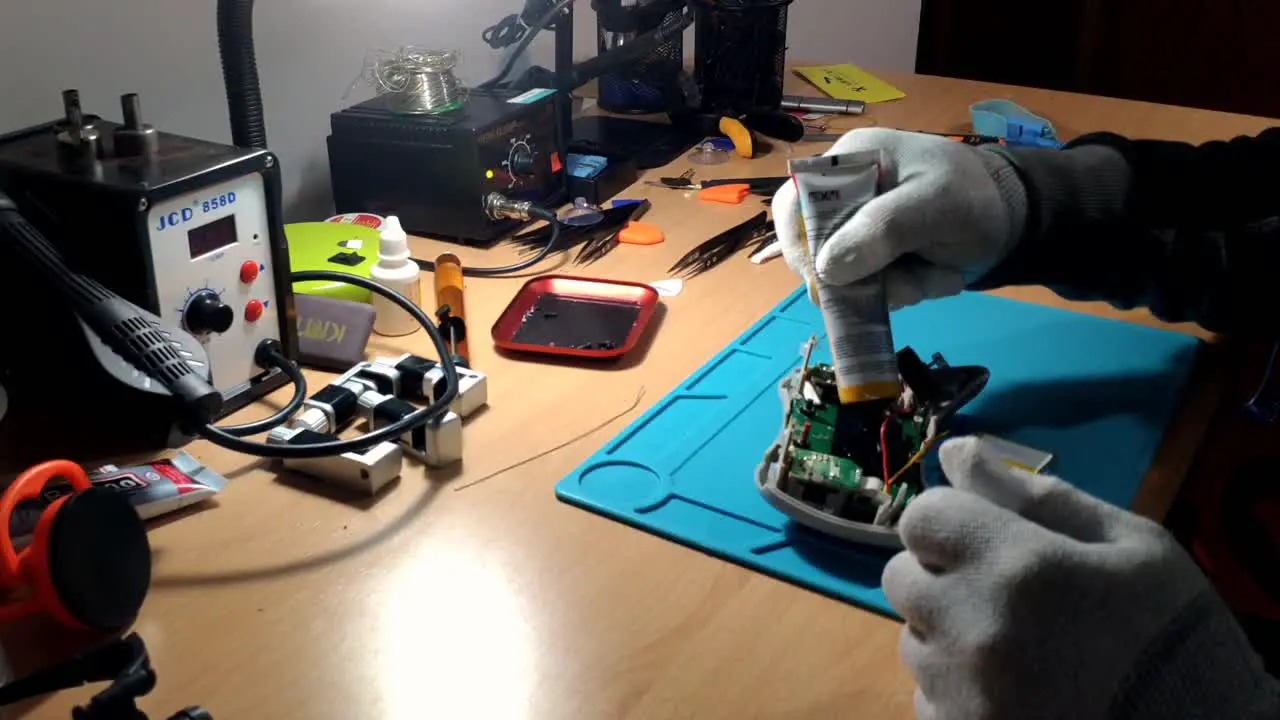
872 33
309 51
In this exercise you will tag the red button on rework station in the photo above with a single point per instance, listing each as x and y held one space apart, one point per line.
248 271
253 310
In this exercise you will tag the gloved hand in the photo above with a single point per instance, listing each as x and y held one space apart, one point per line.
1026 598
957 209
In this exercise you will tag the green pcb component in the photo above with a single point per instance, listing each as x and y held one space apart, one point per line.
827 470
849 470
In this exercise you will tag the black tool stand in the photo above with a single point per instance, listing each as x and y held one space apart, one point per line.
123 662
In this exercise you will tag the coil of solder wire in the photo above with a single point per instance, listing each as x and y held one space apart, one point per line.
422 81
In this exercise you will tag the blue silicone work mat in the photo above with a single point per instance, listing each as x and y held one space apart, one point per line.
1097 393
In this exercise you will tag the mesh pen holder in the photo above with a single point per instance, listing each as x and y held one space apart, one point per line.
641 87
741 53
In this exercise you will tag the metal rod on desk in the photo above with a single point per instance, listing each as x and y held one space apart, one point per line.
830 106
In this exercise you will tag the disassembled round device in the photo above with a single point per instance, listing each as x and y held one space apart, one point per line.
850 470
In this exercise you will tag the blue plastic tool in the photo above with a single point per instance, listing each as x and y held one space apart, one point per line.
1016 124
721 143
1097 393
585 166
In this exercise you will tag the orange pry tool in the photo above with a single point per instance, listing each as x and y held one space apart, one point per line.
727 194
640 233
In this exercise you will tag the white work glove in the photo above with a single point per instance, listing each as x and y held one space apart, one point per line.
1025 598
957 210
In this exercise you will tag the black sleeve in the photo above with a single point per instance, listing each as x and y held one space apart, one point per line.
1191 232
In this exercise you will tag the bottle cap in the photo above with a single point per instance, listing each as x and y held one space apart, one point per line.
393 242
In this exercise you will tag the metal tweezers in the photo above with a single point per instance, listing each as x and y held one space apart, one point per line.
754 234
601 245
766 186
615 218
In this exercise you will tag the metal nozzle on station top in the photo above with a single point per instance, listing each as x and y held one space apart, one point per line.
135 137
78 140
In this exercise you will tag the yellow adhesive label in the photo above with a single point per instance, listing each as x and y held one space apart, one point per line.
1020 466
872 391
1017 456
850 82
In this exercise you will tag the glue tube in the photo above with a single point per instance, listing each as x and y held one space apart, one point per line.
153 489
831 190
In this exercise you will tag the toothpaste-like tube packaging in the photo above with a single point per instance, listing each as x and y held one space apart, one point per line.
154 489
832 189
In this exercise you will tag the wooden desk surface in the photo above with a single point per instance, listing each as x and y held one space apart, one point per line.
282 600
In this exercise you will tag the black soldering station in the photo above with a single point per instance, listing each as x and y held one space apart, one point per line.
154 277
154 269
188 231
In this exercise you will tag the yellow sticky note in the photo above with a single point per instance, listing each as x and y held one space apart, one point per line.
850 82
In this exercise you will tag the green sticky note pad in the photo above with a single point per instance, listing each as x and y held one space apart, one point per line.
532 96
339 247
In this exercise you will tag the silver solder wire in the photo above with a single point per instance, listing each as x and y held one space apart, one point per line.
423 80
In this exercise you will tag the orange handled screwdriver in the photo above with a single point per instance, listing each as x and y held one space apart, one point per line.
450 308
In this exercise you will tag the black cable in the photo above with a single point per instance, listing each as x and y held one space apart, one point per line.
507 32
272 357
547 215
222 439
537 27
240 73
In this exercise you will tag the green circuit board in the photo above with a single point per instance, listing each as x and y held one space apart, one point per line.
813 428
816 470
862 463
827 470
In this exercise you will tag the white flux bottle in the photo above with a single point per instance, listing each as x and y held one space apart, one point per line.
397 271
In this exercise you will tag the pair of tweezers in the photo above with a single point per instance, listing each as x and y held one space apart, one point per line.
534 241
755 234
603 244
767 186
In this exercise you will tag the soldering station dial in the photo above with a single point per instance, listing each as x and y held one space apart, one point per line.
520 161
205 313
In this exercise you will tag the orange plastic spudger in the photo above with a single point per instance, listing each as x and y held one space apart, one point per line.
728 194
640 233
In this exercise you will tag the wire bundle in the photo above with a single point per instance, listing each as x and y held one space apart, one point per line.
422 80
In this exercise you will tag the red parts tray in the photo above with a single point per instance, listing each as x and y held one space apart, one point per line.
576 317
